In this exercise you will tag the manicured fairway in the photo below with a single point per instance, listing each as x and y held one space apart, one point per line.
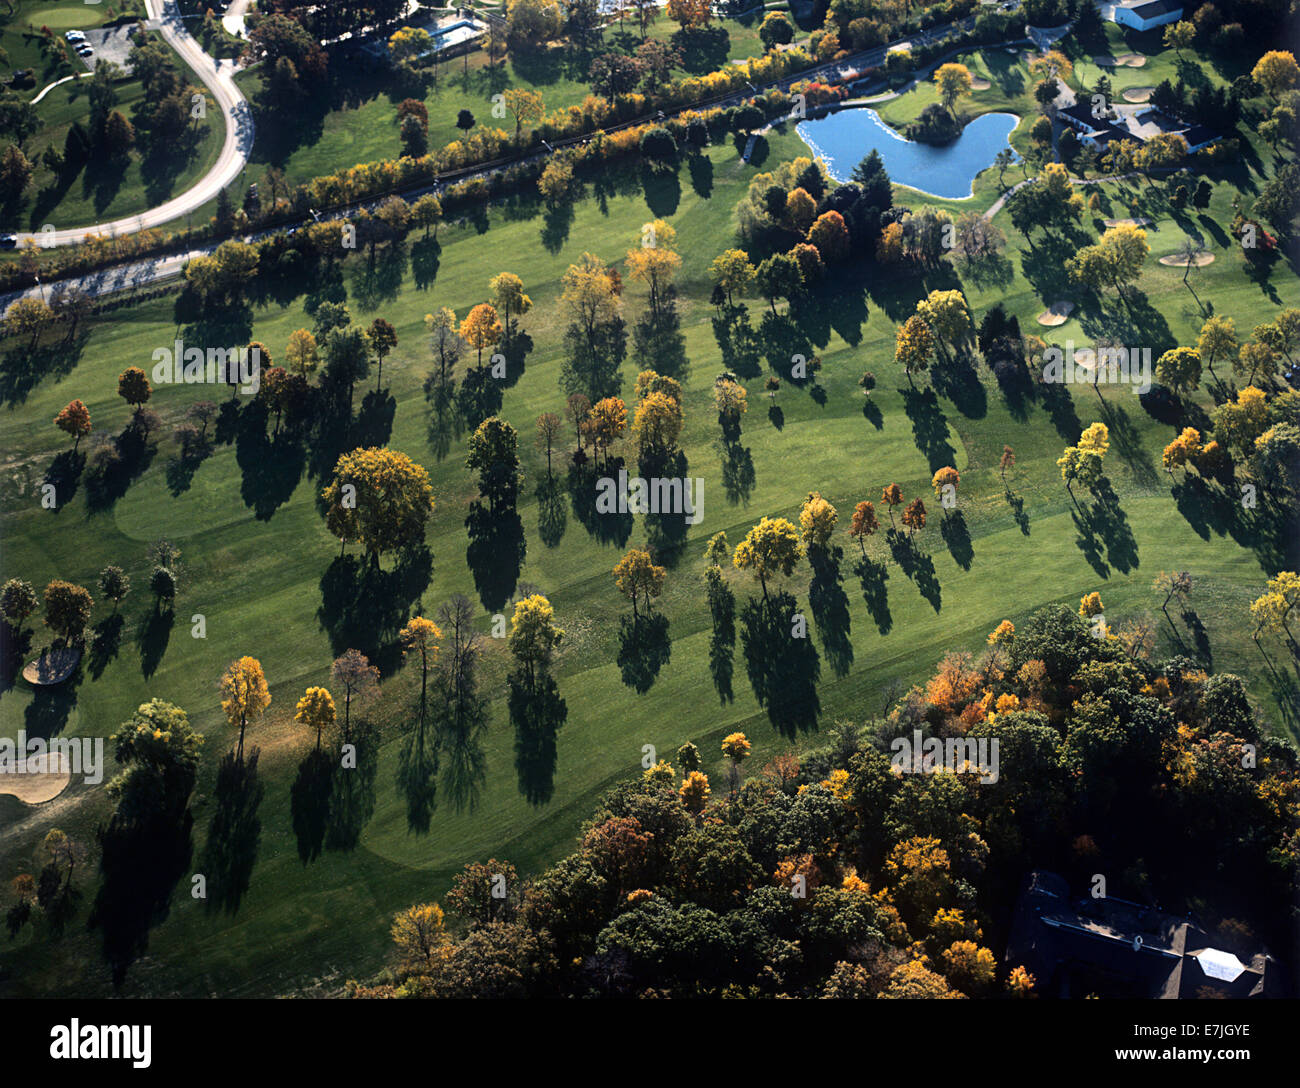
305 928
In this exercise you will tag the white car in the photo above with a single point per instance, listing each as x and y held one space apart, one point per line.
75 36
84 51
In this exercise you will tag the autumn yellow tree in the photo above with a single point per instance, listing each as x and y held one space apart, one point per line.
913 346
770 548
421 636
953 81
244 696
481 328
694 792
511 301
74 419
607 421
864 524
302 354
637 577
316 711
420 937
655 263
735 746
817 518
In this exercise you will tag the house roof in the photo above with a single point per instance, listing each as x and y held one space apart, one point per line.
1154 8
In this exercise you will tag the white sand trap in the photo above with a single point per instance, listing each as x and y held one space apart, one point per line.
1056 314
1138 94
1179 260
978 83
40 781
1127 222
1132 60
52 667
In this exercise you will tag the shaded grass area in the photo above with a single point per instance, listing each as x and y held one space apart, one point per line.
260 577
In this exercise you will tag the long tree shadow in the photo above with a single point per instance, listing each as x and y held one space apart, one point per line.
952 527
272 467
141 863
1089 543
152 635
929 426
417 775
643 649
464 766
64 474
352 798
830 609
114 466
15 645
737 342
445 422
495 554
363 606
25 366
234 833
425 255
105 642
607 527
552 512
1111 524
374 423
918 566
783 670
872 575
1061 411
537 715
1017 505
738 477
47 714
960 383
722 643
309 803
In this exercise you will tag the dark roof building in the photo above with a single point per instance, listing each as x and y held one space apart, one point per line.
1110 947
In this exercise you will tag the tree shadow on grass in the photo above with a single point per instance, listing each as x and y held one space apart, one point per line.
1017 505
23 368
552 514
783 670
496 553
952 527
722 643
929 426
918 566
15 645
114 466
1110 523
363 606
537 716
105 642
607 528
417 774
234 832
737 473
64 474
272 467
47 714
352 799
643 649
309 803
464 766
1061 411
830 609
871 413
873 575
140 865
701 170
152 635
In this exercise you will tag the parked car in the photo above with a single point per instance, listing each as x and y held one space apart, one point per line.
8 241
85 51
75 36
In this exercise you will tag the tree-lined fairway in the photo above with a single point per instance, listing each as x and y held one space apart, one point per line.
257 579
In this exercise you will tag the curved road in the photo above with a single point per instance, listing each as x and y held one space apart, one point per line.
219 80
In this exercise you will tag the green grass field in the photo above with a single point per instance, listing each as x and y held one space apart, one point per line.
305 928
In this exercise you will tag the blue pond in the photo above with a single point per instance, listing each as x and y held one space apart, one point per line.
843 138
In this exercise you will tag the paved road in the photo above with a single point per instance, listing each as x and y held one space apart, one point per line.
151 270
219 80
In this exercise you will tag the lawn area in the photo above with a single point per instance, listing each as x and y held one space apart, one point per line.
355 119
257 571
22 40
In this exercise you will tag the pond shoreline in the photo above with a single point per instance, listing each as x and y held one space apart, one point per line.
908 171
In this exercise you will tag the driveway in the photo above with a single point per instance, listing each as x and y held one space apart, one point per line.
220 83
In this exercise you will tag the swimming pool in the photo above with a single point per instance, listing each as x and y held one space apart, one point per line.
843 138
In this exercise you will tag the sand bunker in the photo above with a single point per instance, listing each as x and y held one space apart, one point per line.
1127 222
1131 60
1056 314
52 667
1138 94
40 781
1179 260
979 84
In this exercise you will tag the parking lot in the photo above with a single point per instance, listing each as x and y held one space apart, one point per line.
110 43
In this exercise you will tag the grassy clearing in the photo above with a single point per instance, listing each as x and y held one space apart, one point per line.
257 580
